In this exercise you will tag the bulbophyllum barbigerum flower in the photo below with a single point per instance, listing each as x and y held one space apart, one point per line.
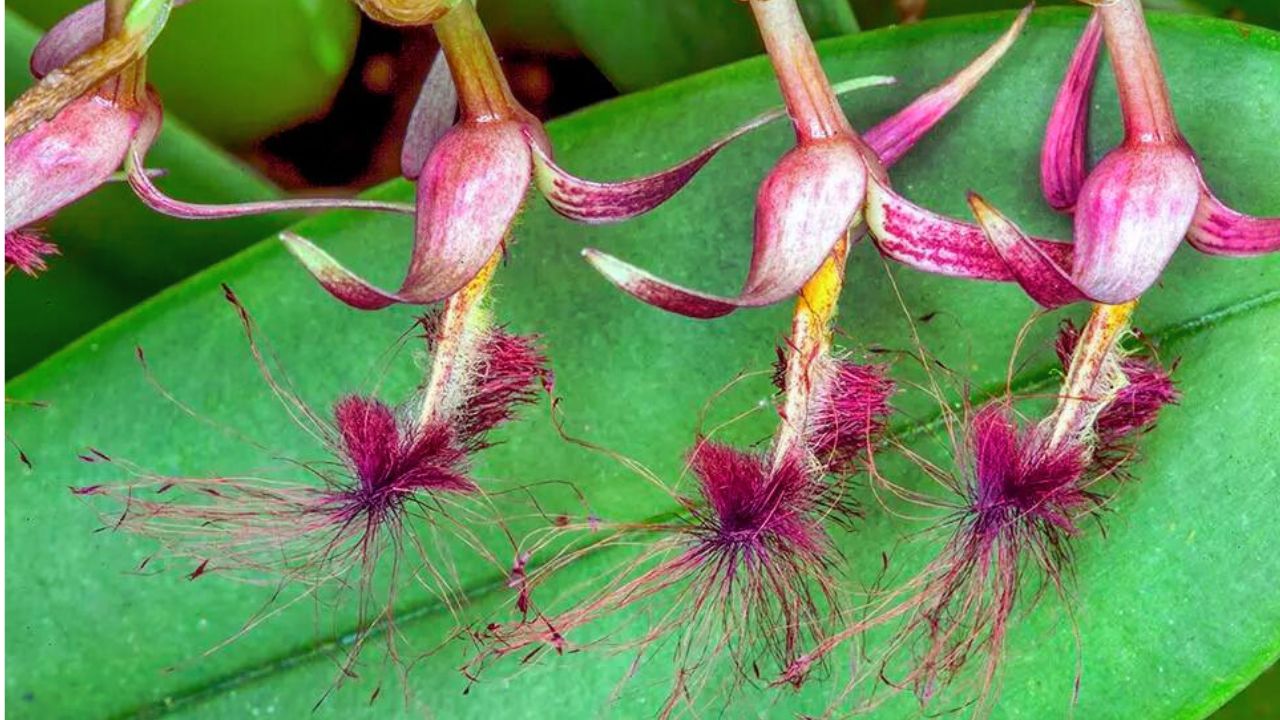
472 176
1130 212
90 112
68 134
380 513
818 192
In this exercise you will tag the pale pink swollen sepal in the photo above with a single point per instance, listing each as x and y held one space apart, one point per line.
472 177
1131 212
819 190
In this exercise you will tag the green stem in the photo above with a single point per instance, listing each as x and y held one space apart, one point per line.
483 93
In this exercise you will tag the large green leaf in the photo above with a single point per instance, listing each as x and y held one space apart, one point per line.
640 43
878 13
115 251
1259 700
1174 604
238 70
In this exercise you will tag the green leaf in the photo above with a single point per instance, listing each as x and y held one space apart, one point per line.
238 70
1174 604
641 43
879 13
1259 700
115 251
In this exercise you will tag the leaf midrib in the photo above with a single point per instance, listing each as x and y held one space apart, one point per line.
1031 381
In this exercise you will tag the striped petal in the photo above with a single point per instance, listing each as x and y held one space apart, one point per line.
1063 157
911 235
892 138
1039 274
1220 230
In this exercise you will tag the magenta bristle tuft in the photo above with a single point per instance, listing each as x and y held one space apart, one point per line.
1022 500
509 370
27 250
390 463
851 413
1136 406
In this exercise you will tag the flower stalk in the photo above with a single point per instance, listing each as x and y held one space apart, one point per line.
1079 401
812 324
462 325
483 92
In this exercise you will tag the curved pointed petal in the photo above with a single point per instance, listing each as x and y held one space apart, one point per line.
595 202
433 115
657 292
924 240
1063 157
335 277
892 138
1039 275
1220 230
155 198
804 207
65 158
470 191
1133 212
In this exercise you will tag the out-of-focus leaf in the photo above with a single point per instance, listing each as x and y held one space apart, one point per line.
1175 604
115 251
238 70
1259 701
530 25
640 43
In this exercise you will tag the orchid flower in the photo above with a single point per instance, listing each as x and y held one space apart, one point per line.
814 199
395 481
472 177
66 135
1130 212
90 112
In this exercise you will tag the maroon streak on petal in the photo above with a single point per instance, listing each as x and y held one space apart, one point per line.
336 278
1219 230
64 158
1043 279
934 243
470 190
155 198
892 138
1134 210
805 205
593 202
1063 158
433 115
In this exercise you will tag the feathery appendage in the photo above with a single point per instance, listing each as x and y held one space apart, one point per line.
1016 499
390 510
743 575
